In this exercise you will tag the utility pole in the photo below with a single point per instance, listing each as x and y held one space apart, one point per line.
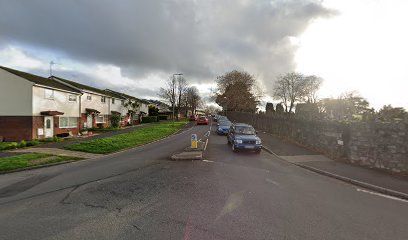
174 93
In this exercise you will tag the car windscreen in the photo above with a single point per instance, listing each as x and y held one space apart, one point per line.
245 130
225 124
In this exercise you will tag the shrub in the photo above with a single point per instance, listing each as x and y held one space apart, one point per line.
150 119
22 144
163 117
115 120
8 145
33 143
99 125
56 139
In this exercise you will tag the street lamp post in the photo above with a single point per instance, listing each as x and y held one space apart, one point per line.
226 105
174 95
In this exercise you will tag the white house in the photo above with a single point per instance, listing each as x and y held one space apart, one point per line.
34 107
95 104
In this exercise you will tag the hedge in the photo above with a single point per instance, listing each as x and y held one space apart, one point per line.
150 119
163 117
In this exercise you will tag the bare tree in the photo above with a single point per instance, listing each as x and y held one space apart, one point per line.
182 87
193 99
296 87
169 92
311 86
289 88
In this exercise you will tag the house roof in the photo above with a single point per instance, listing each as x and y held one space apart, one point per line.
40 80
82 86
124 95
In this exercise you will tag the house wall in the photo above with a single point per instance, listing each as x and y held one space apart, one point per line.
16 128
144 108
15 95
118 107
59 103
95 103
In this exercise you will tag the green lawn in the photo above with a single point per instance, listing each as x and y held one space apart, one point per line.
127 140
29 160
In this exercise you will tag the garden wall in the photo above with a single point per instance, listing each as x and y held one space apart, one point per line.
372 144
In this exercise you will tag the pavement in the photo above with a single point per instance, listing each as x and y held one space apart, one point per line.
371 178
142 194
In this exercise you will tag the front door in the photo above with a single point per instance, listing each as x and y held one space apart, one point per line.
89 121
48 126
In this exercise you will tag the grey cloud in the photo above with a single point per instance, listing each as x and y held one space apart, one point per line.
199 38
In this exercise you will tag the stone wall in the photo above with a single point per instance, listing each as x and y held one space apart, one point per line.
375 144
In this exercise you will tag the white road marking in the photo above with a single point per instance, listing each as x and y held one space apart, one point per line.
205 160
206 143
271 181
381 195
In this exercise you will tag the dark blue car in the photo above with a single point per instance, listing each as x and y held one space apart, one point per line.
223 127
242 136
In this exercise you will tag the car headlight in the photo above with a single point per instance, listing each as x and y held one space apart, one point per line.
258 142
239 141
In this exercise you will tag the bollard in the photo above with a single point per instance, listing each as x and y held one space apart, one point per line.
194 141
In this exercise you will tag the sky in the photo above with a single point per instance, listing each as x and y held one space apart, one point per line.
135 45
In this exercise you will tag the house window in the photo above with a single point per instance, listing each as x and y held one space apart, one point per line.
100 119
123 102
113 101
49 94
68 122
72 98
103 99
89 97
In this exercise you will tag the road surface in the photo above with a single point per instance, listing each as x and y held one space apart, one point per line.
141 194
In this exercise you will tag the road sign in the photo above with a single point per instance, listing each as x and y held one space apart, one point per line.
194 140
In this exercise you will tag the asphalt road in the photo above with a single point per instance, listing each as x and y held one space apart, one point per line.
140 194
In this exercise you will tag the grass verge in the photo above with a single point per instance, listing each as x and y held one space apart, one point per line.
30 160
127 140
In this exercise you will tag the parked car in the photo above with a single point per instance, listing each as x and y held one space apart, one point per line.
192 118
242 136
223 127
202 121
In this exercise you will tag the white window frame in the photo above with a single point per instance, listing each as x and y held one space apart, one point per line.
113 100
98 116
89 97
72 122
49 96
71 97
103 99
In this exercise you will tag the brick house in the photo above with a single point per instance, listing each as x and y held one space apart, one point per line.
34 107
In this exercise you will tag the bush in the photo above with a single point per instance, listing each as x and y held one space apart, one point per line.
99 125
22 144
115 120
33 143
8 145
150 119
163 117
56 139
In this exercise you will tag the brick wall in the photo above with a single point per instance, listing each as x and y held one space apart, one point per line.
16 128
58 130
372 144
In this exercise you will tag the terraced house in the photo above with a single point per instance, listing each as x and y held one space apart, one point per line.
34 107
94 104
